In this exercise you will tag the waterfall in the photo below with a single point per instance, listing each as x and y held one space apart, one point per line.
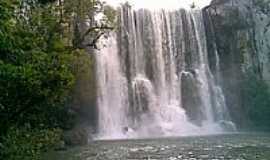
112 90
154 79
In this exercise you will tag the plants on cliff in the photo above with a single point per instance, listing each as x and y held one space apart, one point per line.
256 100
264 5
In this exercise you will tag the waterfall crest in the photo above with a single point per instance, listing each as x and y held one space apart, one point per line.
154 79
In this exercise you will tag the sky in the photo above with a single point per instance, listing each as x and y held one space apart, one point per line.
157 4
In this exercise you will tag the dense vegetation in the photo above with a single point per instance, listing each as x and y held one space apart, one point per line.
39 43
256 101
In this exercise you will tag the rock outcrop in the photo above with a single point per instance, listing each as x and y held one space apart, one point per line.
239 32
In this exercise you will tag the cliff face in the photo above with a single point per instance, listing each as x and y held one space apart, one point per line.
239 32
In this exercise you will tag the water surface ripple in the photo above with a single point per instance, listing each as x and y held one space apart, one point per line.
225 147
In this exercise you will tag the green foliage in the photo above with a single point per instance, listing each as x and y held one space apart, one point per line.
6 10
35 71
27 144
39 66
256 100
36 78
110 15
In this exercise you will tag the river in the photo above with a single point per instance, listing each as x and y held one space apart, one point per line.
217 147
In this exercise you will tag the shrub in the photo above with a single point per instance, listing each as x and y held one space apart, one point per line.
27 144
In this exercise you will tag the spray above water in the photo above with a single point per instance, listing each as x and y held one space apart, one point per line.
154 79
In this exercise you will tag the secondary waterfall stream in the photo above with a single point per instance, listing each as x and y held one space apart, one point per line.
154 79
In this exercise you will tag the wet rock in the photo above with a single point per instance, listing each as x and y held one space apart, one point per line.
191 99
77 136
238 31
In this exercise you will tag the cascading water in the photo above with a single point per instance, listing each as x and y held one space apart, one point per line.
154 79
112 91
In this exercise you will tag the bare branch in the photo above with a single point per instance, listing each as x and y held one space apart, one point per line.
91 29
99 31
94 42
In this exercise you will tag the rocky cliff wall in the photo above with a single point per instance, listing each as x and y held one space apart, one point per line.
239 32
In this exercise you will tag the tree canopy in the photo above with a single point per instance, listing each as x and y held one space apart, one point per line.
39 40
